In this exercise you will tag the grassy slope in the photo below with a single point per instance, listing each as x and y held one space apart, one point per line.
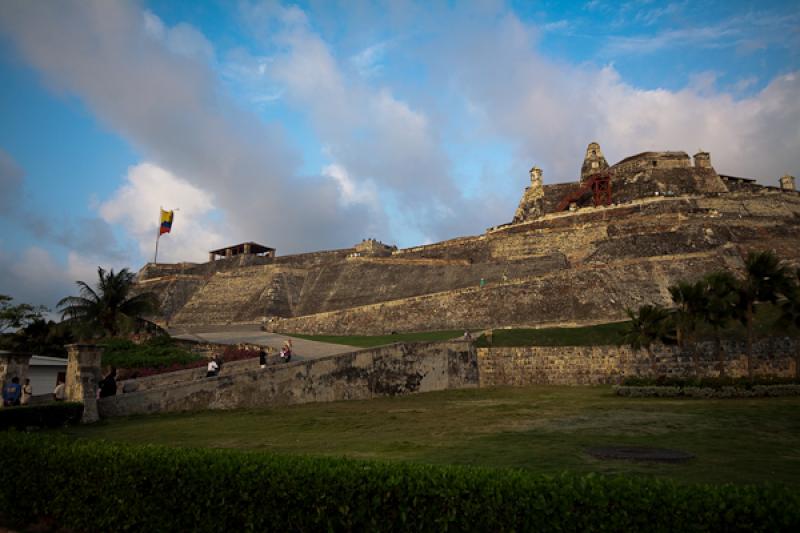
380 340
610 333
544 429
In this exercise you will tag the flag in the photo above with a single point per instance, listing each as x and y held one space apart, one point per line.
166 221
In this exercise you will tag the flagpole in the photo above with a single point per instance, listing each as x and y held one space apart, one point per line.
158 236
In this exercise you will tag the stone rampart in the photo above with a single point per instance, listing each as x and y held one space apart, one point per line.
578 295
595 365
561 244
401 368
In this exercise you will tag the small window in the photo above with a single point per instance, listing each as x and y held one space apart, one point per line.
594 152
655 163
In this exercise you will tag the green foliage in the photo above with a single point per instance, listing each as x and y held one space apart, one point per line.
584 336
158 352
709 382
97 486
13 317
106 308
50 415
756 391
39 337
650 324
367 341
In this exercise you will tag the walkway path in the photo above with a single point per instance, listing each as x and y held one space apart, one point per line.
302 349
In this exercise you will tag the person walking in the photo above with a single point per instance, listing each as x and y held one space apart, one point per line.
27 392
262 357
11 393
108 386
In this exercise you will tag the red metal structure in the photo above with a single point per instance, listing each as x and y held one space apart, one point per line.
598 184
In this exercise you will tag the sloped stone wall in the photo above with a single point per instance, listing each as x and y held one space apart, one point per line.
598 292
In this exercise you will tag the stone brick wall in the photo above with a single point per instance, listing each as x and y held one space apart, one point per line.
594 365
563 297
390 370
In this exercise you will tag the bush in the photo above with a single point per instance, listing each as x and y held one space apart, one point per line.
99 486
156 353
665 391
708 383
51 415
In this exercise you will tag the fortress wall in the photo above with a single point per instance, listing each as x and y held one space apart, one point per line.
595 365
553 194
357 283
402 368
465 248
241 295
586 294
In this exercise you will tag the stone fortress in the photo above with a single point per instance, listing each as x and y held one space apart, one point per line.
575 253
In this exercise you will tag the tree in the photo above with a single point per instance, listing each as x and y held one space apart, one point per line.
17 316
103 309
690 300
650 324
765 280
721 296
790 313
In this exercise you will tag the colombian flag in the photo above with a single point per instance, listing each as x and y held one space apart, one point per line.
166 221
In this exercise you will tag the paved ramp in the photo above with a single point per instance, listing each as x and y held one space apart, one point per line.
302 349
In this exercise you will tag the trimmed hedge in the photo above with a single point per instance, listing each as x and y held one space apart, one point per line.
98 486
158 352
50 415
666 391
708 383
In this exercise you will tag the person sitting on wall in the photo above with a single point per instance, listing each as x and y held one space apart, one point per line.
108 386
12 392
286 354
213 369
59 393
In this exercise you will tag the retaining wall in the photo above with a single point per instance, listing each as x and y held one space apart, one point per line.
401 368
595 365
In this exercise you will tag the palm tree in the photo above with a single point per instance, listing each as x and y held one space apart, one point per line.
722 299
649 325
765 280
103 307
690 301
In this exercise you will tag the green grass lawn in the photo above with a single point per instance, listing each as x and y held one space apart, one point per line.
540 428
367 341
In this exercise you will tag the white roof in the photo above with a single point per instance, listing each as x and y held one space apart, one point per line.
43 360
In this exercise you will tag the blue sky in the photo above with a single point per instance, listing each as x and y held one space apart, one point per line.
313 125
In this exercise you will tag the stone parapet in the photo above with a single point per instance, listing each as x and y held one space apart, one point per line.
83 377
396 369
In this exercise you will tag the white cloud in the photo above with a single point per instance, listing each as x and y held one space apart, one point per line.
350 192
144 81
136 204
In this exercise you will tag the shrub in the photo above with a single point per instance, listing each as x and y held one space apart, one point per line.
156 353
707 382
99 486
665 391
51 415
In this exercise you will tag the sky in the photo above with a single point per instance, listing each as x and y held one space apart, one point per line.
311 126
